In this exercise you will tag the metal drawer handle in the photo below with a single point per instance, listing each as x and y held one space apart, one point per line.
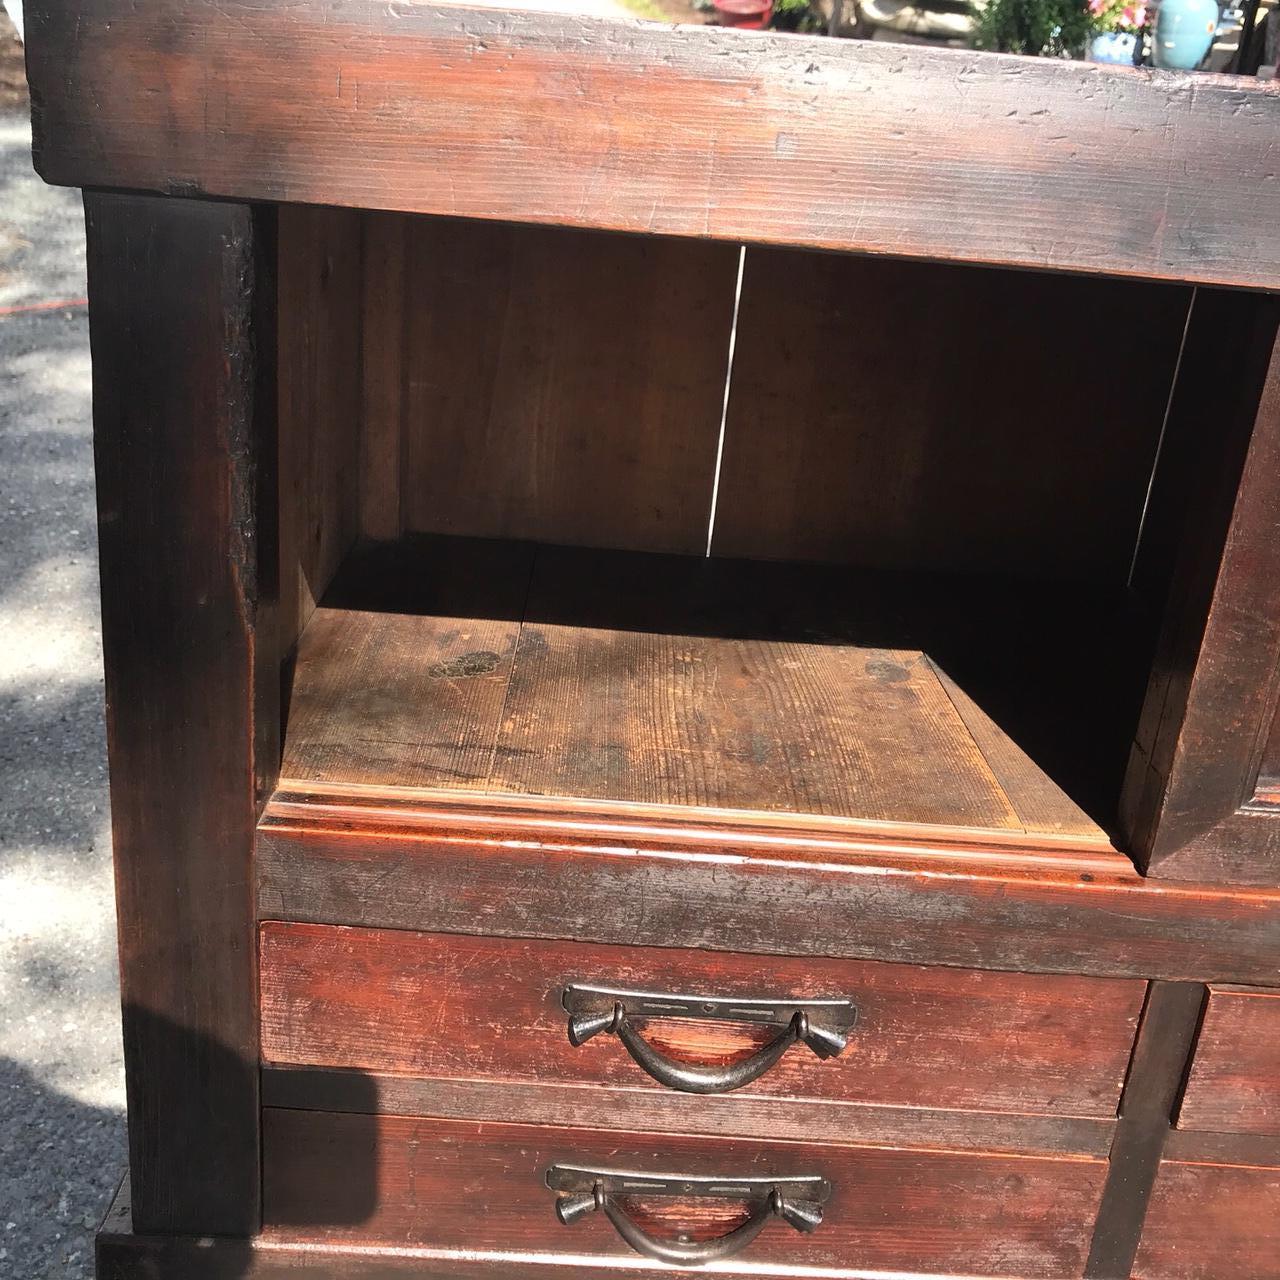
823 1025
797 1201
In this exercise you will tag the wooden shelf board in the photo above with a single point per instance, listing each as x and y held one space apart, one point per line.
673 683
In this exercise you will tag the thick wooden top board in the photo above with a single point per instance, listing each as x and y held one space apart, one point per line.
687 131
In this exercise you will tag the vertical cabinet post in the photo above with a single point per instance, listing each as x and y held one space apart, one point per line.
183 333
1200 798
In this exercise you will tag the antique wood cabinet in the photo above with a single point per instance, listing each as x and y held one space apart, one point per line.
692 626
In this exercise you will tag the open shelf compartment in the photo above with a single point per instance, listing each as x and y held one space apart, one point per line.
500 668
720 536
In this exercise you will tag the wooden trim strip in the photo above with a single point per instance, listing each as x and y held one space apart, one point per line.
1189 1146
779 900
1165 1038
692 131
339 806
596 1107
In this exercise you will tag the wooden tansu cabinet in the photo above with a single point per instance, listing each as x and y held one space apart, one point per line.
692 626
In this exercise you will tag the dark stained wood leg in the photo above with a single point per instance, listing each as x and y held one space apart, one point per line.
182 327
1165 1038
1209 557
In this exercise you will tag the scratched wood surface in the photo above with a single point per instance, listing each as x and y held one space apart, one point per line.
476 665
365 1178
465 864
695 131
688 682
409 693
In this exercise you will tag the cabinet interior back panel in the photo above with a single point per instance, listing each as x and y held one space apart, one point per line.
918 416
560 386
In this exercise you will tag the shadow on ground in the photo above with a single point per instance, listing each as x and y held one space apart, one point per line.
49 1224
62 1133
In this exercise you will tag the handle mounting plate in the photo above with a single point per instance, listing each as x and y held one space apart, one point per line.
569 1179
839 1015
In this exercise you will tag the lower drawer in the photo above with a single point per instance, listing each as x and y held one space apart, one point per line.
1212 1222
1234 1085
480 1192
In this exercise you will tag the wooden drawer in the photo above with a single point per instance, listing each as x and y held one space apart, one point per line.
462 1008
1212 1222
1234 1085
479 1191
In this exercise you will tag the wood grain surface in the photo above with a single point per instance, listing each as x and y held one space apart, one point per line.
688 682
378 1000
404 693
1234 1084
1210 1222
913 416
907 151
562 387
384 313
318 293
892 1210
182 327
460 865
1199 753
675 681
1156 1072
598 1106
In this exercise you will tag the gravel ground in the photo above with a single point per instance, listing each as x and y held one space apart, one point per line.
61 1086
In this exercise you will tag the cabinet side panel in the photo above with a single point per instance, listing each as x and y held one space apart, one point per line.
320 401
563 386
383 313
930 417
182 328
1200 752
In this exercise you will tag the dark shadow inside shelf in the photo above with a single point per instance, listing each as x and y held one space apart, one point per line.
753 668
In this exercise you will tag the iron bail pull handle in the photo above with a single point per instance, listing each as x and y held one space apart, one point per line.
823 1025
796 1201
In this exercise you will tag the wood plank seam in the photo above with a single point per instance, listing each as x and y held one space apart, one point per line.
1166 1036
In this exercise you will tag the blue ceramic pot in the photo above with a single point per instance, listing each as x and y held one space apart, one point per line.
1113 46
1184 31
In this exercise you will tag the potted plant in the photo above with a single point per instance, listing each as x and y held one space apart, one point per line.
1117 26
1052 28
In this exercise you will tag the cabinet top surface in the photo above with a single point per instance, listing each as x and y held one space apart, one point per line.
689 131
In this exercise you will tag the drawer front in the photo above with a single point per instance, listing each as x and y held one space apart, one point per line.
480 1189
1234 1084
1212 1222
454 1007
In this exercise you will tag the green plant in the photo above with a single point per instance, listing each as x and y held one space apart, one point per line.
645 9
796 15
1053 28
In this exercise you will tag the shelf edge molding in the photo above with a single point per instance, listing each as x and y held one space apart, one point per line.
688 131
456 872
